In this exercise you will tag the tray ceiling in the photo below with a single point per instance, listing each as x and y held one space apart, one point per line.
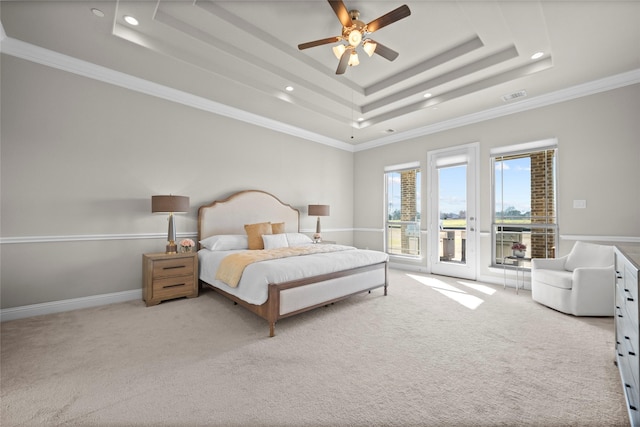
473 58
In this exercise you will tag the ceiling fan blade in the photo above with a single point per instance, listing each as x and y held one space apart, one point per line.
391 17
385 52
341 11
344 62
315 43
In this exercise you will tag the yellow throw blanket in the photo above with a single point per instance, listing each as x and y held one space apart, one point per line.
232 266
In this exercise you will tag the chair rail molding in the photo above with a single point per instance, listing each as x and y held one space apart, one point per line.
89 237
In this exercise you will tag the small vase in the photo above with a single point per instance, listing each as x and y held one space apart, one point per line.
518 254
185 249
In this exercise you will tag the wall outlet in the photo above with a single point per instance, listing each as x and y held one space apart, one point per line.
579 204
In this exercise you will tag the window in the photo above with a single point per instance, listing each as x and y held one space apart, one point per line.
402 218
524 201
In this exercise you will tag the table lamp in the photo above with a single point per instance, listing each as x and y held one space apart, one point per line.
318 210
170 204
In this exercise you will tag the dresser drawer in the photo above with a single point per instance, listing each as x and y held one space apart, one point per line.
632 397
630 293
629 344
172 267
620 312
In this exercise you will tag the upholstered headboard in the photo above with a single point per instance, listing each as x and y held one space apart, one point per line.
229 216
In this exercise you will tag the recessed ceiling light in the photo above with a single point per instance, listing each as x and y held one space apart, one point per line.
97 12
537 55
130 20
427 95
289 88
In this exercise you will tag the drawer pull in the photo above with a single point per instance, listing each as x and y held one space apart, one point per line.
173 286
174 267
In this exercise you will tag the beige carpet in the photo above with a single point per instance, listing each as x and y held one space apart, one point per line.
435 351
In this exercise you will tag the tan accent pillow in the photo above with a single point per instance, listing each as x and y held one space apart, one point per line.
277 228
255 232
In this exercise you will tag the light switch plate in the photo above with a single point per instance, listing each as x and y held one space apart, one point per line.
579 204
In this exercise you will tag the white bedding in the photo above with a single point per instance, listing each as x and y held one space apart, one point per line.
253 287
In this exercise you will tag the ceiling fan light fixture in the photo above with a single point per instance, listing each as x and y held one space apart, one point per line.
338 50
369 47
355 33
353 59
355 37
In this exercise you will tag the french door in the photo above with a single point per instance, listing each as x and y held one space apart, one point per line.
452 230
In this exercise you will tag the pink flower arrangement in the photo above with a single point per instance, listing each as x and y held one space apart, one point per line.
517 246
187 243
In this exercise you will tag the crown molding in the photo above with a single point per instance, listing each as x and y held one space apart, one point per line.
70 64
83 68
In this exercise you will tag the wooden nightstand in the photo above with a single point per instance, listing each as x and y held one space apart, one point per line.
168 276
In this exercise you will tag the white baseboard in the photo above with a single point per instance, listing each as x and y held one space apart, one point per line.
15 313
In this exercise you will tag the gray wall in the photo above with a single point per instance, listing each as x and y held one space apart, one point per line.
81 160
598 161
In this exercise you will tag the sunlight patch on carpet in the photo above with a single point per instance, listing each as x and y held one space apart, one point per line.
487 290
458 295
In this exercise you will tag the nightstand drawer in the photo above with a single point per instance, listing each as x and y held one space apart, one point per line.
172 287
172 267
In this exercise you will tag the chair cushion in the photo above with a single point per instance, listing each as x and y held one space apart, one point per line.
556 278
589 255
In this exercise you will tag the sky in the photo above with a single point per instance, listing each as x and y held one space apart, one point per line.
516 184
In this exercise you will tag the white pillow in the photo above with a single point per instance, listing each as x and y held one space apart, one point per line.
273 241
589 255
298 239
226 242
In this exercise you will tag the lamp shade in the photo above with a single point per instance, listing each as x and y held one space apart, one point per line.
169 204
319 210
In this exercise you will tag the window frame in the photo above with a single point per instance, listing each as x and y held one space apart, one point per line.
416 223
550 225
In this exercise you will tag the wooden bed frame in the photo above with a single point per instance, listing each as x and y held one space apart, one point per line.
286 299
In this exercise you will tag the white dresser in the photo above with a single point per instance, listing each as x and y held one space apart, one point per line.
626 329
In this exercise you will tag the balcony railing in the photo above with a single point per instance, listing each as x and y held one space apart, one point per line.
540 240
403 238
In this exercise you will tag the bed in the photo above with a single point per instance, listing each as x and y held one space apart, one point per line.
284 286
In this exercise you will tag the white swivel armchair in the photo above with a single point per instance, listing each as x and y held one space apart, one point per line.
581 283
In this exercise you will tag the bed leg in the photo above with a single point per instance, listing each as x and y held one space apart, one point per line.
386 277
272 329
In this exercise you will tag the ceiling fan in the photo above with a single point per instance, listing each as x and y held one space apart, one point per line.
356 32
